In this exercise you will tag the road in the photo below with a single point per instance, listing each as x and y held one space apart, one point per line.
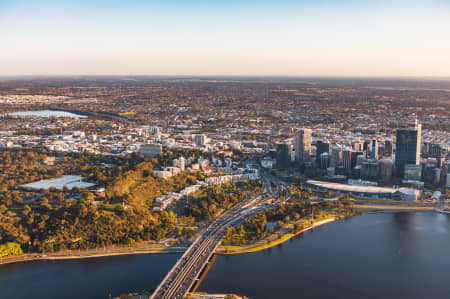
185 272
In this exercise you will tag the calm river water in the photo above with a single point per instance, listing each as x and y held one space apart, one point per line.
391 255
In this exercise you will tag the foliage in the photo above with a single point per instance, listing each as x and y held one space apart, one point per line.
47 221
10 249
210 201
255 228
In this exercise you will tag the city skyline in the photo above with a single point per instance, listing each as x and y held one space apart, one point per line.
268 38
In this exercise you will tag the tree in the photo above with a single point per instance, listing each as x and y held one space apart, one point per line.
9 249
26 210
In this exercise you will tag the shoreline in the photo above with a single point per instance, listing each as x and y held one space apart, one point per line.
388 208
276 242
43 257
221 250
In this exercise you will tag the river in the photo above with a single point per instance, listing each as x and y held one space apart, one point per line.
386 255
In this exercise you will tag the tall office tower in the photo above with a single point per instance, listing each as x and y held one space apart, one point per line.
303 140
347 159
283 155
447 184
369 170
366 148
426 148
374 149
321 147
388 148
385 167
182 163
354 158
324 160
408 145
335 156
436 176
381 150
200 140
435 151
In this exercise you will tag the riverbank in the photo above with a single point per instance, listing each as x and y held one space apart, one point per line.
360 208
201 295
159 248
391 208
264 244
94 253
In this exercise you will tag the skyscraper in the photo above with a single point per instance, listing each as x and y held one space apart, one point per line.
374 149
366 148
283 155
335 156
324 160
385 167
347 159
303 140
321 147
387 148
408 146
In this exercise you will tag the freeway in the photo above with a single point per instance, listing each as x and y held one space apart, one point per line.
180 279
184 273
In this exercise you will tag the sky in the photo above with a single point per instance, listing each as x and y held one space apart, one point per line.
347 38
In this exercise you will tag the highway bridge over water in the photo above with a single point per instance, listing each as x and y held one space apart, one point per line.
183 275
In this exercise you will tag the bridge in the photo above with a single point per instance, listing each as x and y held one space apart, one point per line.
180 279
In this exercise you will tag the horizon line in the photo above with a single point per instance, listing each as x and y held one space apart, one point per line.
226 76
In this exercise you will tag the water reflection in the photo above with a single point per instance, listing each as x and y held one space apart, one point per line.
390 255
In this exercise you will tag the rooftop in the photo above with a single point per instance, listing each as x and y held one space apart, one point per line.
70 181
351 188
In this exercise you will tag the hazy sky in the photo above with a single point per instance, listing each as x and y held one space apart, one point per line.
200 37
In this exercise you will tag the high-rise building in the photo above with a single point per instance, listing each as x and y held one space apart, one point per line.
324 160
388 148
448 175
408 147
350 159
347 159
369 170
200 140
374 149
283 155
354 158
385 167
182 162
335 156
435 151
366 146
436 176
303 140
321 147
426 148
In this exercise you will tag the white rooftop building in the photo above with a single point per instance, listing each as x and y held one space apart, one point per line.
70 181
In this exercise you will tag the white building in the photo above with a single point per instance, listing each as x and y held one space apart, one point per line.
200 140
